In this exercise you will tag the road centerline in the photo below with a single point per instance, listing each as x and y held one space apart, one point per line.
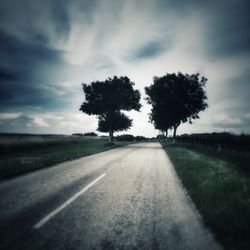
40 223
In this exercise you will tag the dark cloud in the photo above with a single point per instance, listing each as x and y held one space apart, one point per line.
23 123
179 5
246 121
87 8
60 18
36 21
227 32
149 50
230 103
5 75
226 23
47 97
19 123
18 54
237 92
24 74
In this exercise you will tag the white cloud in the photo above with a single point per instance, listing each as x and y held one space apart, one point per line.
38 122
9 116
224 120
68 122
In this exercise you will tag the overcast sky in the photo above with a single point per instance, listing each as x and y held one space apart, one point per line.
48 48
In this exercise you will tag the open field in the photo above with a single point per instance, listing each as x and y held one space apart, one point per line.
221 192
24 153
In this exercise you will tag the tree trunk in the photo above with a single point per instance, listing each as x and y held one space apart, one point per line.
174 135
166 133
175 129
110 127
111 135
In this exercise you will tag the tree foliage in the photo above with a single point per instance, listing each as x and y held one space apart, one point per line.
119 120
113 94
175 99
107 99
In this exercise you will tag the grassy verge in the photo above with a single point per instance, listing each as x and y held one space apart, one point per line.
25 155
239 158
221 194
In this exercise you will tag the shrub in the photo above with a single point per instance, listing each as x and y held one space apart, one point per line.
125 138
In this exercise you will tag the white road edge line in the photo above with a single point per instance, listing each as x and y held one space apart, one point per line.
66 203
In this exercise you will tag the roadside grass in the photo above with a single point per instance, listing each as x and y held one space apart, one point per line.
220 192
239 158
24 154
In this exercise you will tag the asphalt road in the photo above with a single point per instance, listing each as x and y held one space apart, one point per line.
125 198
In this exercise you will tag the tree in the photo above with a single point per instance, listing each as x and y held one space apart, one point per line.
175 99
90 134
107 99
119 121
160 120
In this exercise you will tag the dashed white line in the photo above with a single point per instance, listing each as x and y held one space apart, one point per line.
40 223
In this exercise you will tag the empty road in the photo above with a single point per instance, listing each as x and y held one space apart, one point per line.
125 198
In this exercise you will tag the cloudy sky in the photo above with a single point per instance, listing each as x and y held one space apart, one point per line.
48 48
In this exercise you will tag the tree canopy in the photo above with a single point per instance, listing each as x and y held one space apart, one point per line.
175 99
113 94
119 120
107 99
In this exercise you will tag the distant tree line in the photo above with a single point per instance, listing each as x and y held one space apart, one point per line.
125 137
128 137
86 134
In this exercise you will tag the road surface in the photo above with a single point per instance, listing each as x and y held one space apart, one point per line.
125 198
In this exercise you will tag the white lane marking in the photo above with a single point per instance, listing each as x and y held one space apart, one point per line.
65 204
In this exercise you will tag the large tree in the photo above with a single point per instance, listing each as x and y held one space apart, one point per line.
175 99
107 99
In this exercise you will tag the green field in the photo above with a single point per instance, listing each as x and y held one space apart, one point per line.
24 153
220 192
